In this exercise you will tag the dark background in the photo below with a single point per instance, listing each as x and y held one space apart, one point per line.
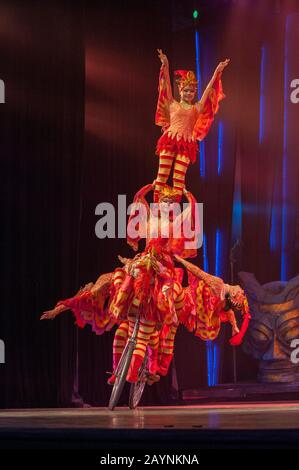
77 129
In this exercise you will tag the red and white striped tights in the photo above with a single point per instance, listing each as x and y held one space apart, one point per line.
160 345
181 163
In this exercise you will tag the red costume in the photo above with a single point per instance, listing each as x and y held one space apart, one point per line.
149 286
214 303
183 125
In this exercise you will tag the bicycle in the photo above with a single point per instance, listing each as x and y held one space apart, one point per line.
120 373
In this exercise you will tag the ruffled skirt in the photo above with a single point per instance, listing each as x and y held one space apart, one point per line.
179 147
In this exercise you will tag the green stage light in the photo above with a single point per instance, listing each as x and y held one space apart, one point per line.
195 14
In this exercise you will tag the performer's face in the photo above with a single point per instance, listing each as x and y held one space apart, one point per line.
187 94
166 204
168 208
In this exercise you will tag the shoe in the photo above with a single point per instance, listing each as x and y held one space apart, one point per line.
152 378
164 362
111 380
133 371
152 360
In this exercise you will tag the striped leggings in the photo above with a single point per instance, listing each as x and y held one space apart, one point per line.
181 163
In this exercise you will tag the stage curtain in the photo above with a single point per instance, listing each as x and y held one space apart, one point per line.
122 70
42 124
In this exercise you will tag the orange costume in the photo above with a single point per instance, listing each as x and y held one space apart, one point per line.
214 303
148 286
151 287
183 125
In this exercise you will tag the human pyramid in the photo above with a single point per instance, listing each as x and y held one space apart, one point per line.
150 285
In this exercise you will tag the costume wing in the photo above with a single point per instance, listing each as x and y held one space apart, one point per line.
88 306
162 117
210 108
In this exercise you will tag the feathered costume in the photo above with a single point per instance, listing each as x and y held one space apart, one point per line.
182 126
149 286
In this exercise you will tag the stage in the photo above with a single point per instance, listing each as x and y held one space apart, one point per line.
229 426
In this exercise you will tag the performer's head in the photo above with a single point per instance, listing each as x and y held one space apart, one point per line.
169 200
187 84
168 195
236 296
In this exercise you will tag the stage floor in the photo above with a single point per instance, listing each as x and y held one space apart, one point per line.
217 416
206 425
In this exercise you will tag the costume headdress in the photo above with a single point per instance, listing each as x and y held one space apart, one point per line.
185 78
169 193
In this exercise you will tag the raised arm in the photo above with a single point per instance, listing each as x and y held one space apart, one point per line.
208 105
188 212
216 76
165 97
164 78
139 198
186 228
58 309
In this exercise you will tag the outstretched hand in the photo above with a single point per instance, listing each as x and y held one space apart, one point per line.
221 66
162 57
48 315
236 340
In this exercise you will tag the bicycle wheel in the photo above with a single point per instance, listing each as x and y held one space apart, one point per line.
136 389
121 374
122 368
